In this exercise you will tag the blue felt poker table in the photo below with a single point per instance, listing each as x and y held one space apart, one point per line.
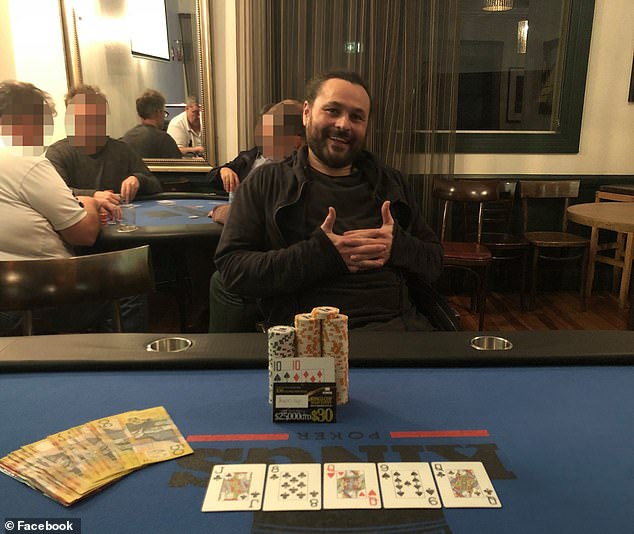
167 217
552 420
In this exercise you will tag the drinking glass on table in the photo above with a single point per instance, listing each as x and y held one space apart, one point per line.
127 223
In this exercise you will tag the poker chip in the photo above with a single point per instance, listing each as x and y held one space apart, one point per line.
307 336
322 333
334 344
281 344
324 312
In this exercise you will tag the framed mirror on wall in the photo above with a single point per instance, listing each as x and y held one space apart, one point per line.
105 44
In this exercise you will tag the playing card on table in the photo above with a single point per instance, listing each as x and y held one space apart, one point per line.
407 485
465 485
351 485
234 487
315 370
293 487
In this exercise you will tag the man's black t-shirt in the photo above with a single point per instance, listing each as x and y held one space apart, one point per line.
372 295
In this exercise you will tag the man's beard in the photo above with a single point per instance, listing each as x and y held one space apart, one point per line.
317 141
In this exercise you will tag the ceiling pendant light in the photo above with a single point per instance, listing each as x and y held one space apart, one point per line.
497 5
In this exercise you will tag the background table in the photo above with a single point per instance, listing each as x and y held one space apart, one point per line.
185 217
615 216
555 439
183 241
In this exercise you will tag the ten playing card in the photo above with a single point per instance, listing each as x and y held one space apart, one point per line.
465 485
407 485
299 370
234 487
293 487
351 485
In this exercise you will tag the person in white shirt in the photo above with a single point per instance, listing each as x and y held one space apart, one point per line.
41 218
186 129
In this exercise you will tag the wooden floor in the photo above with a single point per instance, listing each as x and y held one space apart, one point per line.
555 310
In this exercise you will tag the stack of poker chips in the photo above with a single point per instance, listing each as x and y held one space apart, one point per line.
320 333
281 345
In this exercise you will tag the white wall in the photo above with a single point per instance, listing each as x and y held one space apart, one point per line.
36 49
607 134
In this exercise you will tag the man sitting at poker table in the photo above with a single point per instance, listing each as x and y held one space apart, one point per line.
148 138
90 161
278 132
41 218
331 225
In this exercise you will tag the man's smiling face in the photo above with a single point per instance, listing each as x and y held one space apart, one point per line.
336 123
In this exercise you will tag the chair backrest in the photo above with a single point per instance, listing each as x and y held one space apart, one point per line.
30 284
553 189
466 192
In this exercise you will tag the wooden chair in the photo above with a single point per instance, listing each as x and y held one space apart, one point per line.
507 249
472 257
26 285
558 247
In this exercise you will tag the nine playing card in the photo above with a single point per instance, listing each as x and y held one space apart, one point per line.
407 485
235 487
351 485
465 485
293 487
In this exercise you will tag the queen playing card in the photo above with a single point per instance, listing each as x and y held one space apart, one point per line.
235 487
465 485
351 485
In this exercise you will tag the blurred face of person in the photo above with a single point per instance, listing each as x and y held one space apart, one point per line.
277 133
86 122
29 125
193 116
336 123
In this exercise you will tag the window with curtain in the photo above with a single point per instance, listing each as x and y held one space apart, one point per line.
406 50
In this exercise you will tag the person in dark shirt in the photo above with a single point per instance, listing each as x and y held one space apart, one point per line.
92 163
148 138
330 225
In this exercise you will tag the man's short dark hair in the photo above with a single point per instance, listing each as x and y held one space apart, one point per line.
314 85
150 103
291 111
22 98
83 89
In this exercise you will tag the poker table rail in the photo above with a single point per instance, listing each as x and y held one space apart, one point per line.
93 352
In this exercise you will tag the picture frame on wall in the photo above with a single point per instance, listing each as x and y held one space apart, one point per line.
515 96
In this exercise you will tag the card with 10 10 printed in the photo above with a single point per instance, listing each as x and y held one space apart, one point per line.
235 487
407 485
292 487
300 370
465 485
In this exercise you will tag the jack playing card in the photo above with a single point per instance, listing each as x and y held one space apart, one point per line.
234 487
465 485
407 485
351 485
293 487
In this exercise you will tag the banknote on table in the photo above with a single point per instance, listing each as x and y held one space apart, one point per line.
68 465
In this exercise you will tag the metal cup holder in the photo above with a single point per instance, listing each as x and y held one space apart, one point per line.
169 344
491 343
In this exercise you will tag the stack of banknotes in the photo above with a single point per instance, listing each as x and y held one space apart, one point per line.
74 463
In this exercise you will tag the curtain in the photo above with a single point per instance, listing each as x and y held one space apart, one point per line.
406 50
